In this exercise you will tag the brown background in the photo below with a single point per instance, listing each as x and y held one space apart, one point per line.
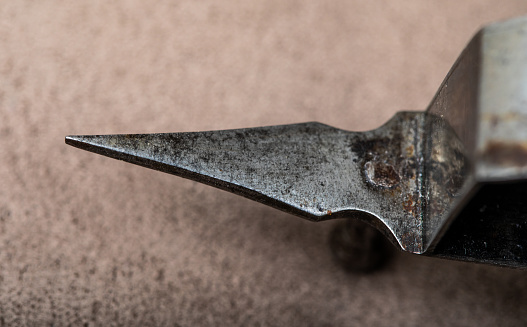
87 239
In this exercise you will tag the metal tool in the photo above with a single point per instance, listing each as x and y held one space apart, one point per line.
447 182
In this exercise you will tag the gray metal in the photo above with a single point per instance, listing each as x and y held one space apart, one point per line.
483 100
410 178
312 170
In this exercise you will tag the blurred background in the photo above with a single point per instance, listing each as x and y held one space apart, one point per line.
88 240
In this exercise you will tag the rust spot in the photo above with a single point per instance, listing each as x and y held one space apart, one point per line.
408 204
381 174
505 153
410 151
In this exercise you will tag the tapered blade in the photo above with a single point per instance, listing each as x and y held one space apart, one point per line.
301 168
312 170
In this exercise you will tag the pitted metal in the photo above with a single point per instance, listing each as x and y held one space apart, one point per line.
312 170
413 178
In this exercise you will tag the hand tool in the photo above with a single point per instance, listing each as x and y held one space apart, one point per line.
446 182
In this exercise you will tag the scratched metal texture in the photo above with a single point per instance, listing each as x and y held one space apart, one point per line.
311 170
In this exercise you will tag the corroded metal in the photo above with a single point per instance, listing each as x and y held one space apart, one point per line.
312 170
479 119
422 179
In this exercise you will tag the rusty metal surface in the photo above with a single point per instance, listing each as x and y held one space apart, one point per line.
312 170
502 137
477 119
483 99
411 178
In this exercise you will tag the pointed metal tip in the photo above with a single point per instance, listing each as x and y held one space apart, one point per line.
92 143
74 140
238 160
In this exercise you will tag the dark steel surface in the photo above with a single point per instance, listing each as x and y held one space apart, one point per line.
492 228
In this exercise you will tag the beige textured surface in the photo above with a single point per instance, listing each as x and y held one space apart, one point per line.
89 240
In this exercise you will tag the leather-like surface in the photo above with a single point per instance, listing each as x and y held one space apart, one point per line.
89 240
